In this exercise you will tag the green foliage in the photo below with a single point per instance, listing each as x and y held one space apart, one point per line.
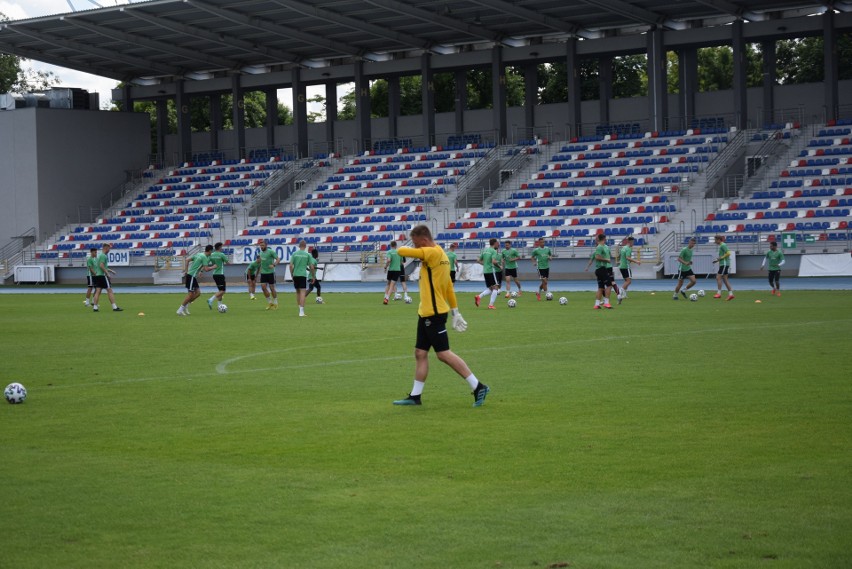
658 434
15 79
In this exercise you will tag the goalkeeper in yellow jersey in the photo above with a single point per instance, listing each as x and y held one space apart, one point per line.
437 302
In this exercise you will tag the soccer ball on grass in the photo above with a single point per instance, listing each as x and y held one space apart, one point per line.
15 393
223 308
693 297
514 294
563 301
407 300
548 296
701 292
319 300
397 296
512 303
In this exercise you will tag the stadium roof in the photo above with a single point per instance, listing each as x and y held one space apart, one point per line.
193 38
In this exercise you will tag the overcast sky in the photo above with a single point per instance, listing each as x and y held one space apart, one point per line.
20 10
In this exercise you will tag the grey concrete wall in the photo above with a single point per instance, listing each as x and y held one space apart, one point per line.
54 160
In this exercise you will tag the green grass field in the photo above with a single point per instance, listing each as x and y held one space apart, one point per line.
660 434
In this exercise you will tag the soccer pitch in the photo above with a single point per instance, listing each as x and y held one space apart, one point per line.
658 434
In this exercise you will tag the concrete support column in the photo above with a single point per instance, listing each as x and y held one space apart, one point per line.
362 108
657 84
498 90
271 116
238 111
829 34
461 99
574 94
605 80
770 70
740 75
688 83
162 128
427 91
331 114
300 112
215 120
394 106
184 127
530 95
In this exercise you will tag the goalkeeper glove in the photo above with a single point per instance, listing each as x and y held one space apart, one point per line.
459 323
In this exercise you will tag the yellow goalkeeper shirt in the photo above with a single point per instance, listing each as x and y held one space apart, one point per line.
437 295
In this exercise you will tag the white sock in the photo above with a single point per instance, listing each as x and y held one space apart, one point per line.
301 311
597 302
95 306
418 387
472 381
484 293
114 305
494 294
211 299
275 301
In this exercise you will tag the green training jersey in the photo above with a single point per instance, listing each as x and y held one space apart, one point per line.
199 261
394 260
267 261
301 261
219 259
774 258
685 255
452 257
91 264
727 260
624 256
251 270
488 257
603 251
510 258
542 257
99 260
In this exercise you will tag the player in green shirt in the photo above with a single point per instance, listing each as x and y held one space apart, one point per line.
492 264
268 261
301 264
251 277
541 257
724 260
625 258
603 272
684 268
451 255
101 279
219 260
776 259
90 274
510 267
396 274
195 265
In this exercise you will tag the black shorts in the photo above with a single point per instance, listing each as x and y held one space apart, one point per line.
723 269
90 282
625 273
101 281
681 275
452 276
192 283
300 283
267 278
605 276
493 279
544 273
510 273
432 333
250 277
395 276
220 282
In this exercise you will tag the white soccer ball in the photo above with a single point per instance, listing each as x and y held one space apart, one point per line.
223 308
563 301
548 296
15 393
397 296
693 297
407 300
319 300
701 292
512 303
514 294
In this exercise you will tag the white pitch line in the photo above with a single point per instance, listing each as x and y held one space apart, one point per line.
221 368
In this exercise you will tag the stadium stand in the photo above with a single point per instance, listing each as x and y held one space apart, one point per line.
173 215
810 197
